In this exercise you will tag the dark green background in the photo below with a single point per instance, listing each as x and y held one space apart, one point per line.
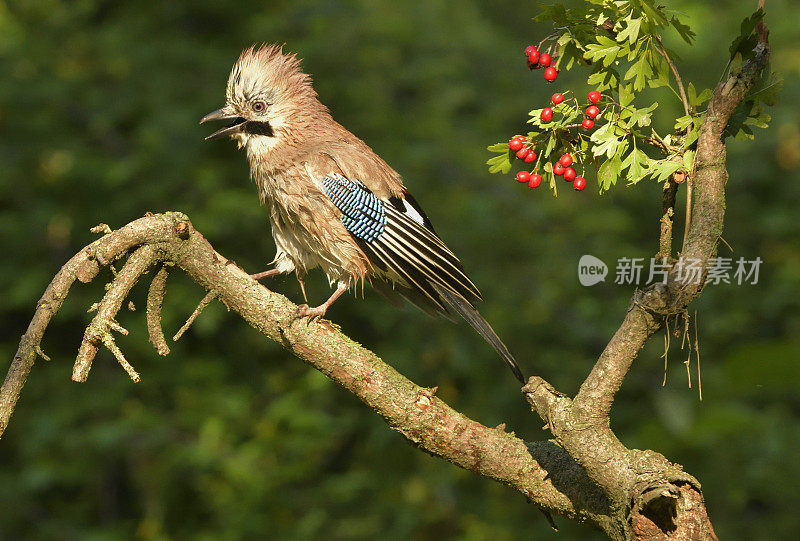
231 438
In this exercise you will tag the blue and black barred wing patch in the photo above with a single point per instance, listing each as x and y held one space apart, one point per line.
363 214
397 239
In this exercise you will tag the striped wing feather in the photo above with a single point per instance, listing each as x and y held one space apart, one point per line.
412 260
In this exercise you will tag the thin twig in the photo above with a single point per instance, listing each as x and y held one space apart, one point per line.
210 296
678 80
41 353
109 343
101 228
688 215
652 141
666 351
155 300
688 363
667 219
99 330
697 350
725 242
102 250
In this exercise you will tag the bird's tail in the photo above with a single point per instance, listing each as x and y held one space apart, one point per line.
471 315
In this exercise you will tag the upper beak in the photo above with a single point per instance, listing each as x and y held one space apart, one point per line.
224 114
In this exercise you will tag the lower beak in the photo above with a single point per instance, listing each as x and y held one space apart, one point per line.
236 125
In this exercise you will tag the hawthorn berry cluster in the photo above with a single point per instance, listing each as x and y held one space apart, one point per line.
563 167
524 148
537 60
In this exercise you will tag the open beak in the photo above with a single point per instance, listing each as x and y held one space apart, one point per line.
236 125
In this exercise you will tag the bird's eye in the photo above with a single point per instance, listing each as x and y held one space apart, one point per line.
258 106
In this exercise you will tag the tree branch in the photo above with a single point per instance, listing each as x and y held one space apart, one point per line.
582 425
667 219
155 299
663 52
541 471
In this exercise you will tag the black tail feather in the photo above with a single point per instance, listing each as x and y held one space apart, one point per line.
471 315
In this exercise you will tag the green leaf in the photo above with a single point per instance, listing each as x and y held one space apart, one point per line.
661 77
641 117
746 40
691 137
736 63
551 143
608 173
760 121
698 99
555 13
681 123
498 147
662 169
640 72
569 53
500 164
684 30
637 163
603 79
748 113
631 30
605 141
605 50
688 159
768 91
625 95
654 14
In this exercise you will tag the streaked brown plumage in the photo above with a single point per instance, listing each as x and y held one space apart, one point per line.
333 203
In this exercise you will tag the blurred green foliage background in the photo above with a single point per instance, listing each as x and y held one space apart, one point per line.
231 438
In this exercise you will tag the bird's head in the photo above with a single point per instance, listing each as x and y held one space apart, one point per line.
267 94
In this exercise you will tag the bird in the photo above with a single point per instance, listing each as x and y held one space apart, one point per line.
333 202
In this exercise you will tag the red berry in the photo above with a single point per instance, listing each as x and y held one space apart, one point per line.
558 169
565 160
569 174
533 57
587 123
545 59
592 111
536 179
579 183
529 49
594 96
557 98
515 144
523 176
546 114
530 157
550 74
521 153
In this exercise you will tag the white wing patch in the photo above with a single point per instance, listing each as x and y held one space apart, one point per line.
412 213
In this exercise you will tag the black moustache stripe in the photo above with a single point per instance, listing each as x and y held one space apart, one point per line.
253 127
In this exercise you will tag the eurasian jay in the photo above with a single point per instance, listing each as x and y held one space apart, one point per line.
333 203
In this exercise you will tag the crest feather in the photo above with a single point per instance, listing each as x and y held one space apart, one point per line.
265 69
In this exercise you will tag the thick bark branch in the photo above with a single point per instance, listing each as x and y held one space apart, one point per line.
541 471
582 425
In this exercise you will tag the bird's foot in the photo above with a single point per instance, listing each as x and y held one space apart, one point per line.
305 310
